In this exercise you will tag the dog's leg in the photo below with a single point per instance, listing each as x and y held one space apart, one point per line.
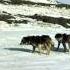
69 46
48 50
64 45
48 46
52 45
58 46
43 48
33 49
39 48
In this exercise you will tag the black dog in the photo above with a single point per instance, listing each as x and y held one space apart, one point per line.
43 41
63 38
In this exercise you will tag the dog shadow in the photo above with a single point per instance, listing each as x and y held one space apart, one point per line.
21 49
59 50
30 51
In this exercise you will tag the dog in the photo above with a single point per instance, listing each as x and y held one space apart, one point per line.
43 42
63 38
47 44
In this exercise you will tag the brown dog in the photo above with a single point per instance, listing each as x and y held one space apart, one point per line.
63 38
47 44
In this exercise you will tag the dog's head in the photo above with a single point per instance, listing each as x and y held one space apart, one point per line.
59 37
25 40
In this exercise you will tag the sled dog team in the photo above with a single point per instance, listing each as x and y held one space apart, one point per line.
45 43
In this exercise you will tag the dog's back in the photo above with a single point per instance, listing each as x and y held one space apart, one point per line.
43 41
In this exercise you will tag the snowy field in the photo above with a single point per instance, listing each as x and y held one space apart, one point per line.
16 57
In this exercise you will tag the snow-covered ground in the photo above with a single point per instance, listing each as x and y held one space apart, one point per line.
44 1
16 57
38 1
31 10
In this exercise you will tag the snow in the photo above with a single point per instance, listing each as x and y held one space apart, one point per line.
16 57
31 10
43 1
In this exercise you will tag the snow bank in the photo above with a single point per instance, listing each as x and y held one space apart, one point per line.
43 1
31 10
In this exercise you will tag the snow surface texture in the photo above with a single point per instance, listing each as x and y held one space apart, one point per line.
39 1
16 57
43 1
31 10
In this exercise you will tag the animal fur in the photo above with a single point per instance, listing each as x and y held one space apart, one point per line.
63 38
43 42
